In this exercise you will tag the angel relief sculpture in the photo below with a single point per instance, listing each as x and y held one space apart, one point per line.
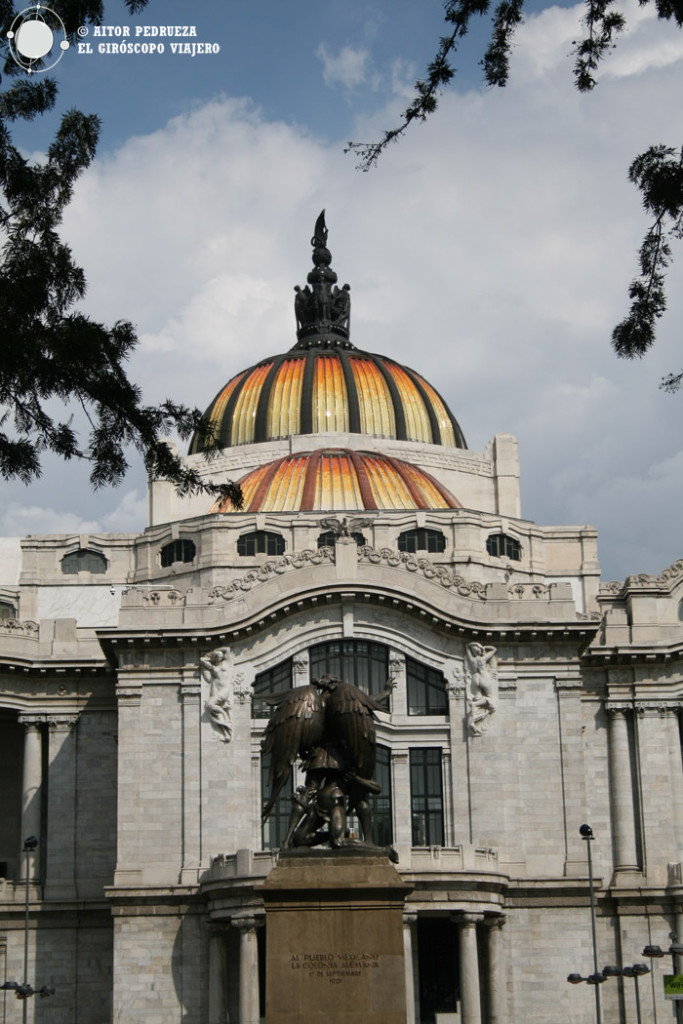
328 725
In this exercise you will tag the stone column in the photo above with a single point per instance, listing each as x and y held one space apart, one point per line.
409 947
60 869
469 969
31 792
249 990
621 785
218 1013
497 981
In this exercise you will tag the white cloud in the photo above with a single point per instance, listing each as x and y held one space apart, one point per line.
491 249
348 68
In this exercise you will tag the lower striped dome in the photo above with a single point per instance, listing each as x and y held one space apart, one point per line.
331 479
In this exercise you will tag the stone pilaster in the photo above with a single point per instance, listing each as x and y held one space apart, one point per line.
60 869
469 969
400 770
190 695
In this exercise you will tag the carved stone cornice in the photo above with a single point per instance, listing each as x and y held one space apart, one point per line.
129 694
656 707
24 627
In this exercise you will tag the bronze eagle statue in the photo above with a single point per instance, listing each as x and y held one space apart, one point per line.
329 726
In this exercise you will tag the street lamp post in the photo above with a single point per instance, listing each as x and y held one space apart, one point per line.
586 833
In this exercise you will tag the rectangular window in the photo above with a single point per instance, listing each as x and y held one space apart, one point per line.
426 796
426 690
275 828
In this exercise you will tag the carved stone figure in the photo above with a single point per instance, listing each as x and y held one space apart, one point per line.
217 671
481 674
330 726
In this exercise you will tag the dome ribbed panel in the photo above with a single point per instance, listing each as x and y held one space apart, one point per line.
249 485
444 420
284 405
418 427
330 402
244 414
432 494
389 489
215 413
336 484
374 399
286 488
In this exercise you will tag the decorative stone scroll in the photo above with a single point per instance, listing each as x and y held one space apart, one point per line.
438 573
296 560
481 675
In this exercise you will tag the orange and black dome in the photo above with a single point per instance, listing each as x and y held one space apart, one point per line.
324 384
338 479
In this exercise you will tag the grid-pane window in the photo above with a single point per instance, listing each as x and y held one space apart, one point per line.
426 796
275 680
275 828
261 542
380 803
501 546
177 551
83 560
432 541
355 661
426 690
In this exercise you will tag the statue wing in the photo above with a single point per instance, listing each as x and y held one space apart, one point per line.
295 727
350 719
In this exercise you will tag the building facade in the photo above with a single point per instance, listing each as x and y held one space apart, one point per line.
527 699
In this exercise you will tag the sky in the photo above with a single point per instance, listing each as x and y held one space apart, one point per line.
491 249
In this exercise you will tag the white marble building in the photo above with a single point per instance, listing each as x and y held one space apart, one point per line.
374 544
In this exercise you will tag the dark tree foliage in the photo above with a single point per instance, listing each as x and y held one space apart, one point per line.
50 354
658 173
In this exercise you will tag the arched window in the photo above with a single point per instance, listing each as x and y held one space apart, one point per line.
421 539
355 661
327 539
261 542
426 690
177 551
501 546
275 680
83 560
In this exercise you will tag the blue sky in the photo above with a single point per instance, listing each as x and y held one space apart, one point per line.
491 249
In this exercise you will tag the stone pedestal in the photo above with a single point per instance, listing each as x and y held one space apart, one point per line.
334 939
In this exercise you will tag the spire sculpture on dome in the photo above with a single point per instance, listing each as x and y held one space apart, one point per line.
322 309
